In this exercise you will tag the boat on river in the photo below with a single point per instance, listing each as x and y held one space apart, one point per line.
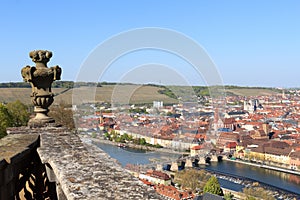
121 145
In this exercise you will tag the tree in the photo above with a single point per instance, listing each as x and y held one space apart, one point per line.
19 113
125 138
169 113
63 114
228 196
12 115
192 179
5 120
140 141
107 135
143 141
213 186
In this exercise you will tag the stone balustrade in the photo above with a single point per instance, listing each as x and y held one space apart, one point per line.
22 175
75 170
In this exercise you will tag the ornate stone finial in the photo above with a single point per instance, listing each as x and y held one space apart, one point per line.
41 77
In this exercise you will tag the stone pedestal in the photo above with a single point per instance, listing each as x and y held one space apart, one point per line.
41 77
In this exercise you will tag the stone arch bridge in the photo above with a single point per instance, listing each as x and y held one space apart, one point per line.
189 161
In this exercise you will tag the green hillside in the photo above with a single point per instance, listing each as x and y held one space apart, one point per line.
134 94
123 93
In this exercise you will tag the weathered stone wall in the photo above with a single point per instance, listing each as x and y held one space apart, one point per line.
22 175
79 170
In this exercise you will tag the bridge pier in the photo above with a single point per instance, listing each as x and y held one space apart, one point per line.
159 167
174 167
214 158
202 161
188 163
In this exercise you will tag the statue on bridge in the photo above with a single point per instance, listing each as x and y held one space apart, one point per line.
41 77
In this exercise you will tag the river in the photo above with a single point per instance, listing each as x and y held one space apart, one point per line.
282 180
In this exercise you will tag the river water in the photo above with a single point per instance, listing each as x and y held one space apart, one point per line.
282 180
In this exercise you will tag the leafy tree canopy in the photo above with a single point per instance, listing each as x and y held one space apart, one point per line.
19 113
213 186
192 179
12 115
63 115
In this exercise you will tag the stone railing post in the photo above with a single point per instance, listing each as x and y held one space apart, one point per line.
41 77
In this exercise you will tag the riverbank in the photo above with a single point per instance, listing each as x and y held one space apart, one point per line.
266 167
231 174
282 185
171 151
136 146
277 192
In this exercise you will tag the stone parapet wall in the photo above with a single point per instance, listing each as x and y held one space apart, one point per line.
79 170
22 175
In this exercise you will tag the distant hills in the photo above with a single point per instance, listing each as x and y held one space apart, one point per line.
139 94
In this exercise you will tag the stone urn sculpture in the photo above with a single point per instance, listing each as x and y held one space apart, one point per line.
41 77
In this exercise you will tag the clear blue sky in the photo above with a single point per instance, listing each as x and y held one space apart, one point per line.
252 43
